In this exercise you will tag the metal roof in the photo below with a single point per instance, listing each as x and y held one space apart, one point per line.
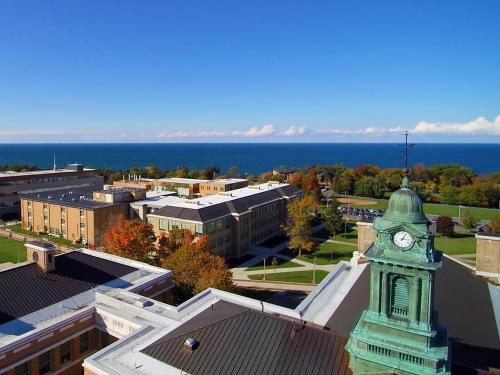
27 288
240 341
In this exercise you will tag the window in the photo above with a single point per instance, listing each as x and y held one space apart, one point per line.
227 222
23 369
220 225
45 206
66 352
35 257
82 213
185 225
63 210
172 224
63 221
82 226
84 342
150 220
162 224
45 218
29 204
198 229
44 363
400 297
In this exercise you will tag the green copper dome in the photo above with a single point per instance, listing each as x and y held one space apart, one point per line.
405 206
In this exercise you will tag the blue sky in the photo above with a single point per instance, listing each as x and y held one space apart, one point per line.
251 71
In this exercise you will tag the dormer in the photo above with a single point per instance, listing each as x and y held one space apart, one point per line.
43 253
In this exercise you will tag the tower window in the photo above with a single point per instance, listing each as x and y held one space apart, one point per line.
400 297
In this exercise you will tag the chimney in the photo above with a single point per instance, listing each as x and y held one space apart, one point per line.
43 253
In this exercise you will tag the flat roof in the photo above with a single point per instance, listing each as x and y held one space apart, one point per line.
79 197
9 174
119 190
225 181
178 180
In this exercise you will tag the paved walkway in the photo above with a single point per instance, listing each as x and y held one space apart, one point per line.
24 238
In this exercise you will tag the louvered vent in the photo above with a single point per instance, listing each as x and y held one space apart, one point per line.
400 297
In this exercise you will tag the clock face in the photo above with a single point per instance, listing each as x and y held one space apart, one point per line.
403 239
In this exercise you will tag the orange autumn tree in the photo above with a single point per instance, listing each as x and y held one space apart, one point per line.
131 239
196 268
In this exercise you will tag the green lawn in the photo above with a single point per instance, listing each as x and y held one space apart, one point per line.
437 209
459 243
9 250
294 277
325 253
351 236
17 228
282 263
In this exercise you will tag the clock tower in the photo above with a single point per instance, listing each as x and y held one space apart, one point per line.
399 332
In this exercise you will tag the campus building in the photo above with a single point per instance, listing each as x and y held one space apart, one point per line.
143 183
211 187
362 318
421 313
488 257
184 187
15 184
49 319
233 221
79 215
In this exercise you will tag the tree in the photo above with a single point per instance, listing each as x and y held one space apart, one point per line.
131 239
449 194
233 171
370 187
444 225
195 268
469 222
333 217
301 212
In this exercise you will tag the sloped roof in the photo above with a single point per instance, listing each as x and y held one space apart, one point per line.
240 341
28 288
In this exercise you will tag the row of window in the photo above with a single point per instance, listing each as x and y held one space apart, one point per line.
45 360
214 242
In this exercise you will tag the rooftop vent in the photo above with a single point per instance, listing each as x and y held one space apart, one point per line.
190 344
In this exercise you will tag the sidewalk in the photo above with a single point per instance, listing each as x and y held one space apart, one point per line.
25 238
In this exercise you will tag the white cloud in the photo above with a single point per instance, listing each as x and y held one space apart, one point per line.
259 132
480 126
294 130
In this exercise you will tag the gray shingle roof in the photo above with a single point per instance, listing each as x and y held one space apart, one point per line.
239 341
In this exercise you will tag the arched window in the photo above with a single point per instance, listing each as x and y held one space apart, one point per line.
400 296
35 257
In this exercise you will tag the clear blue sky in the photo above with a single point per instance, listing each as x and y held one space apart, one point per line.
256 71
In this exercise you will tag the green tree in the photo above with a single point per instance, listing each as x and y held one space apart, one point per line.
332 217
449 194
368 186
233 170
469 222
301 212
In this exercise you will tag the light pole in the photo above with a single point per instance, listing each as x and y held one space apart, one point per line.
264 268
314 271
331 249
460 214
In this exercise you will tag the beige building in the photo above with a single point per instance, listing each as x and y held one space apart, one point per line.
77 215
222 185
143 183
13 185
366 235
49 320
488 257
233 221
184 187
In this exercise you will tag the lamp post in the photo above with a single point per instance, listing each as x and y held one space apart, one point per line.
460 214
264 268
314 271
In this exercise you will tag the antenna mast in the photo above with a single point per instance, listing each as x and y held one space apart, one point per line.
406 145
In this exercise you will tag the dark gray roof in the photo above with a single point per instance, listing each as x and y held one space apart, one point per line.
239 341
79 197
463 304
28 288
238 205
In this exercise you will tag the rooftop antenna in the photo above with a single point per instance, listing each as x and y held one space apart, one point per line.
407 145
55 166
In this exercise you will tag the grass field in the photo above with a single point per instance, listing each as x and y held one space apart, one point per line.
325 253
9 250
17 228
282 263
295 277
429 208
459 243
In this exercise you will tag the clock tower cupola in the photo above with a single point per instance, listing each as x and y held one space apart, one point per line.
399 332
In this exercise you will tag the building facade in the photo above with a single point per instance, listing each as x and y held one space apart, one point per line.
221 185
488 257
49 322
233 221
13 185
78 215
